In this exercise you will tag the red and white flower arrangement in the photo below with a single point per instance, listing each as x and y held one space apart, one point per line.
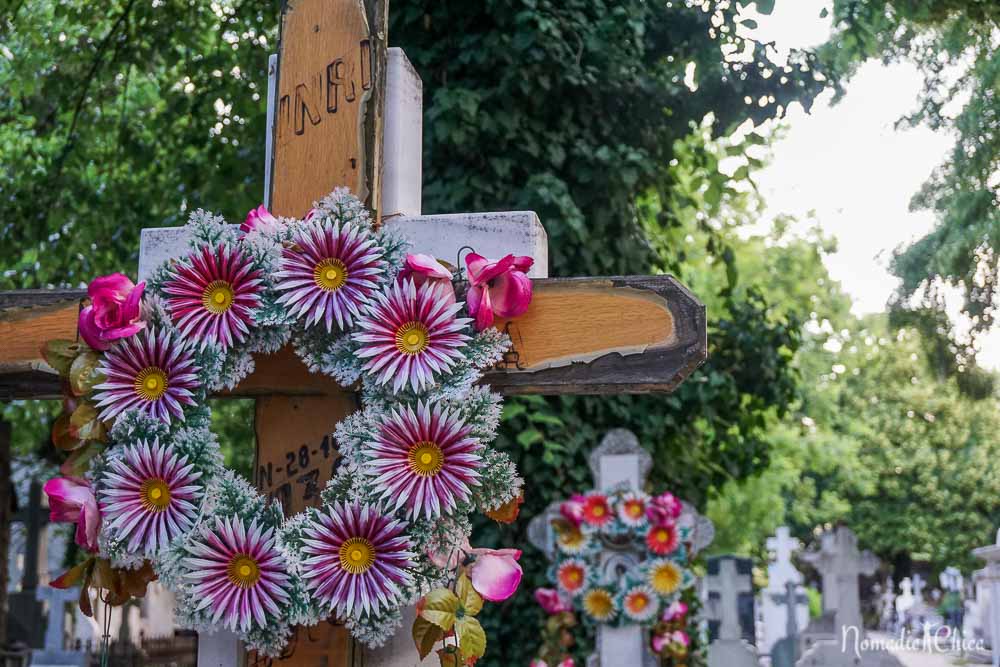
651 527
146 486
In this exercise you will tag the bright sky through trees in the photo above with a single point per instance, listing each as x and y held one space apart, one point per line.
850 165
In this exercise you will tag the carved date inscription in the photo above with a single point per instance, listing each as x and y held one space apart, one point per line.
294 480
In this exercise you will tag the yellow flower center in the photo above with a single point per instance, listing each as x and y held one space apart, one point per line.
598 511
412 338
634 509
155 494
243 571
217 297
357 555
662 536
665 578
598 604
426 458
330 274
151 383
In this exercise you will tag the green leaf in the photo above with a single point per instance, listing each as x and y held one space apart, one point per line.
60 354
471 637
439 608
529 437
83 373
425 635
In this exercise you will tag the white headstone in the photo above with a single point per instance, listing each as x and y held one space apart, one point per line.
619 460
991 554
840 564
774 605
55 652
725 587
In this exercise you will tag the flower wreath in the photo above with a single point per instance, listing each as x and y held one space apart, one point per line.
621 592
145 481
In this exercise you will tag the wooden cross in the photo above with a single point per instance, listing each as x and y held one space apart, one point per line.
346 112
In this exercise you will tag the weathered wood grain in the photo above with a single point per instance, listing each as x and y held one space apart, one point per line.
325 92
580 336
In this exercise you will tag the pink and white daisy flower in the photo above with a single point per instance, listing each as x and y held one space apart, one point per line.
358 559
238 573
411 334
150 372
329 273
632 508
424 459
213 295
150 494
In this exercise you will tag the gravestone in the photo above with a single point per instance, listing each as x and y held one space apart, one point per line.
55 653
25 617
773 602
991 577
786 651
619 460
840 564
887 605
730 612
977 618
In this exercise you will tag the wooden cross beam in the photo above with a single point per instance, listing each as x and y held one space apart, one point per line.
330 118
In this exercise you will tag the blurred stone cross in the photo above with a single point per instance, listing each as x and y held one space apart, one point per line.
344 110
774 598
730 611
620 461
55 652
840 564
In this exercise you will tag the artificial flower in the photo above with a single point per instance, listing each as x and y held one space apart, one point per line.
151 372
632 508
423 268
675 642
599 604
596 510
572 509
571 575
508 511
424 459
571 539
259 220
330 272
662 539
676 611
238 573
496 573
72 500
113 312
551 602
497 288
410 335
664 576
663 509
640 603
457 611
149 494
358 559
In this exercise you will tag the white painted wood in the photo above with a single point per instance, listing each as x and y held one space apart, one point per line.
272 83
220 649
399 650
402 175
491 234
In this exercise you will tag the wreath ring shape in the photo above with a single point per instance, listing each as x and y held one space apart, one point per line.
146 483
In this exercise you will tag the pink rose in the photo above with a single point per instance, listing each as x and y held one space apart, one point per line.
260 220
113 312
663 509
572 509
550 600
568 662
538 662
675 611
496 573
424 268
72 500
676 642
498 287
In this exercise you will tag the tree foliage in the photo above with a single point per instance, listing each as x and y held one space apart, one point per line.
954 43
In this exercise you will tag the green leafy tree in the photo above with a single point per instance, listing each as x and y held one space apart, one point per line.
954 43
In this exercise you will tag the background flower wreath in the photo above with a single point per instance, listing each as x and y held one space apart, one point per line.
145 481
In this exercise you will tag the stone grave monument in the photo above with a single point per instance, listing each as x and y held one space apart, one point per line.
773 602
730 612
